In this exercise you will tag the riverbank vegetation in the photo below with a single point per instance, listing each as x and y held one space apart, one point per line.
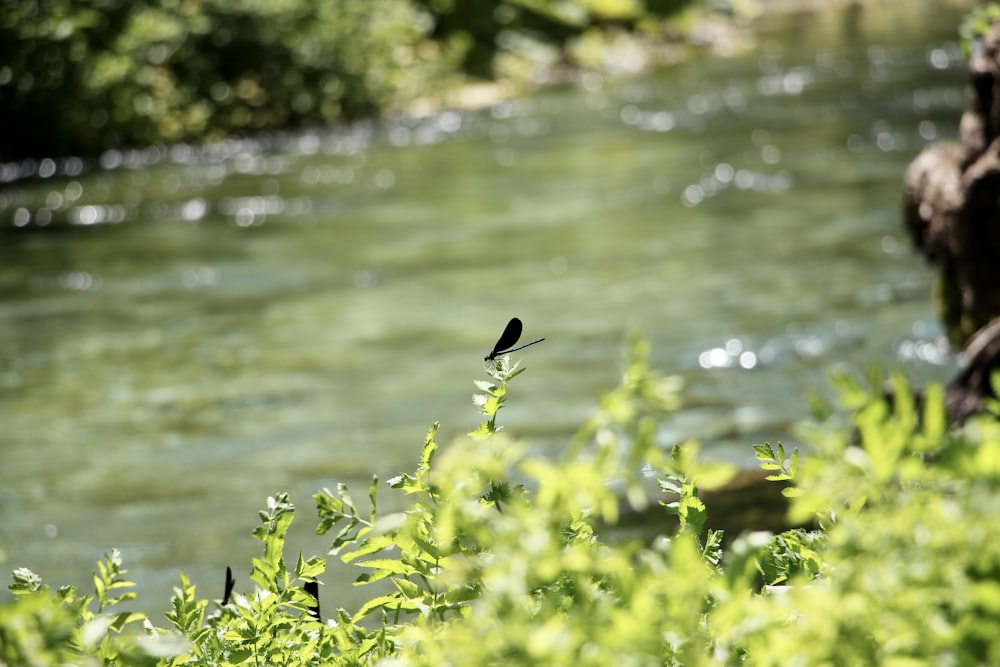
503 557
80 78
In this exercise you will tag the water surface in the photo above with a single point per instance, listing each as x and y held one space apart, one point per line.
186 330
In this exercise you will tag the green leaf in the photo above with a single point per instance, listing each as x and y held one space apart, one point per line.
309 569
764 452
390 602
373 499
482 432
25 581
386 566
407 588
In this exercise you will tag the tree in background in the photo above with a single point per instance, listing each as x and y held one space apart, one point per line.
83 78
78 78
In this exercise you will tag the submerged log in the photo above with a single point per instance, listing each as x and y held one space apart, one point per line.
967 393
747 502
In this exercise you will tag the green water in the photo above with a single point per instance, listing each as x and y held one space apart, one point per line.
186 331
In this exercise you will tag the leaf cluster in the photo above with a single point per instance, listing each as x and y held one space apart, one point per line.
503 557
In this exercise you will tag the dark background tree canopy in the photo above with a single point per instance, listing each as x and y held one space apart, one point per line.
77 78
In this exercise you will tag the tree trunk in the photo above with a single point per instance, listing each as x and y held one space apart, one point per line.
952 212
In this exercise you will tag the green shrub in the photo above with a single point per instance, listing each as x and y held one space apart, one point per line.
537 34
502 557
82 78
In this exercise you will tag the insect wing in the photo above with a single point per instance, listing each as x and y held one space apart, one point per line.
230 582
509 336
312 588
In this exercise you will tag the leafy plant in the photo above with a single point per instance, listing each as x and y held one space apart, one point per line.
503 557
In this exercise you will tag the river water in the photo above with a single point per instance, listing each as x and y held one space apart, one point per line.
185 331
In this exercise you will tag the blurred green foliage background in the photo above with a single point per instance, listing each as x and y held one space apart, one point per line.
77 78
